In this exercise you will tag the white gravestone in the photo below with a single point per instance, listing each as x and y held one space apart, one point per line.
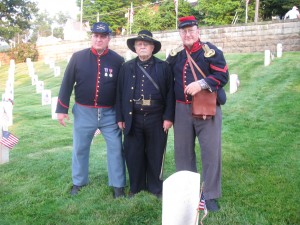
53 108
28 60
279 50
234 83
39 86
12 63
52 64
8 113
30 69
34 79
267 57
46 97
4 151
11 73
181 195
57 71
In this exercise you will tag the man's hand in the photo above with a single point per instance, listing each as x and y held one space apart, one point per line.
193 88
121 125
167 125
61 118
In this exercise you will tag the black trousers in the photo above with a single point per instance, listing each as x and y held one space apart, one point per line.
144 148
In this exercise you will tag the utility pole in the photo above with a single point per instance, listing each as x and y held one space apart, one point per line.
81 10
256 11
246 17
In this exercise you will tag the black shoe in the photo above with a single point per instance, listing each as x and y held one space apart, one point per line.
119 192
212 205
75 189
159 196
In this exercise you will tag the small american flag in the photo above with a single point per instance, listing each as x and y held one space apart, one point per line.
9 140
202 206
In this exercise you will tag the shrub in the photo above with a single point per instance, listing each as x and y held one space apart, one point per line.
23 51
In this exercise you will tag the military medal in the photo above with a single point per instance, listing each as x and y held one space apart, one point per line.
110 72
105 72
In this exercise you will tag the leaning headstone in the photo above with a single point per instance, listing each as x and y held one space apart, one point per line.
57 71
267 57
39 86
4 151
46 97
279 50
53 107
181 194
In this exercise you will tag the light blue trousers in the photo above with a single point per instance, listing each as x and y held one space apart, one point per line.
86 121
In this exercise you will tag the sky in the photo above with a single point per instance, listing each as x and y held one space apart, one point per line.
54 6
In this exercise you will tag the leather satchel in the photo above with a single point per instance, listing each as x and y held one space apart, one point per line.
204 102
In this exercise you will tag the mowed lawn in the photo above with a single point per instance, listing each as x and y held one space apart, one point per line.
261 168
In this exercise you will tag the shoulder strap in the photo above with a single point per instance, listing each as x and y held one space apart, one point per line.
149 77
190 59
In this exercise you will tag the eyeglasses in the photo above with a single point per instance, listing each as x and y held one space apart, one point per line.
188 31
140 44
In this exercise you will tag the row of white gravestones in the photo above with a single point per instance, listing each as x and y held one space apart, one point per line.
6 110
39 85
269 56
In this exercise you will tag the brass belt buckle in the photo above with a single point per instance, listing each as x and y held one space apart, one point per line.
146 102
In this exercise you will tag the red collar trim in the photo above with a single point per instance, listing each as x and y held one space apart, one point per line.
196 46
94 51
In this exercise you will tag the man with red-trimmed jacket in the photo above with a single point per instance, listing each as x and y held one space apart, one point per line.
93 73
186 127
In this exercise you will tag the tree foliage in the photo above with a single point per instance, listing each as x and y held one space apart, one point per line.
15 16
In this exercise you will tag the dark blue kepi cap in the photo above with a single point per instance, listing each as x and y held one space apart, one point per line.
101 27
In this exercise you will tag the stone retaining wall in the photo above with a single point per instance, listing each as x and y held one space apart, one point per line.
237 38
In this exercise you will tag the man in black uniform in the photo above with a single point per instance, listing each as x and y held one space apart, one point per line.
145 111
186 128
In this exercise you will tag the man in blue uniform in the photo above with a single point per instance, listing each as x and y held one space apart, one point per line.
186 128
145 111
93 73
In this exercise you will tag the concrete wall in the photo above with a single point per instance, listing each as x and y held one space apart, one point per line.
237 38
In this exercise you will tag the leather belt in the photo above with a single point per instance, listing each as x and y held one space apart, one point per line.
148 102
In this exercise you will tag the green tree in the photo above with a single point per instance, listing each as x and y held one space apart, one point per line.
15 17
109 11
269 8
41 26
218 12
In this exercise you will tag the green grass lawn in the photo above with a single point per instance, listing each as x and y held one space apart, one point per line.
261 168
